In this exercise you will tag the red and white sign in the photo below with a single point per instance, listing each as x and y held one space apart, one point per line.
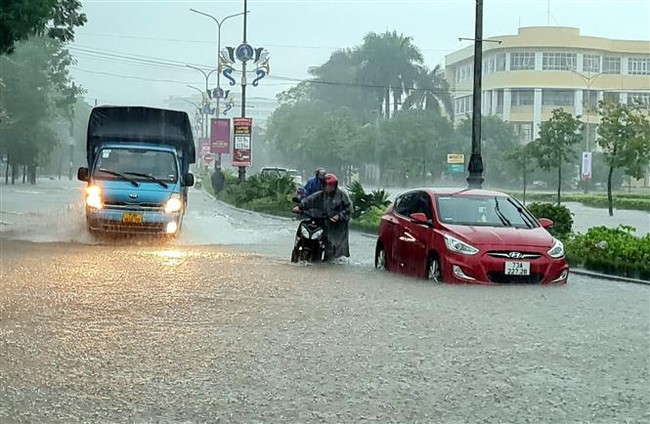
242 149
586 166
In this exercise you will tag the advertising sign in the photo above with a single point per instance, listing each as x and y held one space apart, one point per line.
220 136
586 166
241 154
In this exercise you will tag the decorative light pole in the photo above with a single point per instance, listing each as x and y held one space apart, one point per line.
259 58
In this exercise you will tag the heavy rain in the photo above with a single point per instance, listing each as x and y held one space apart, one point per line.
152 268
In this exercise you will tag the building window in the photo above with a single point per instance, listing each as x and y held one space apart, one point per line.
463 105
522 61
501 62
591 63
638 66
612 97
590 99
640 98
500 101
522 97
558 98
464 72
611 65
558 61
524 130
489 65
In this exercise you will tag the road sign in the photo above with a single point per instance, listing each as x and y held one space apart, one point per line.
456 158
455 168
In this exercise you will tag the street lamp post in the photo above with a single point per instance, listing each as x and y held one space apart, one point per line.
219 24
203 112
588 79
475 168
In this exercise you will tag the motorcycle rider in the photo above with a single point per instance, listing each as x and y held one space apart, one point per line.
337 205
314 184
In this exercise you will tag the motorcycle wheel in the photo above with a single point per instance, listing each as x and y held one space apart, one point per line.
294 255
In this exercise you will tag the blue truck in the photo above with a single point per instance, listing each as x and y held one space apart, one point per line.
138 170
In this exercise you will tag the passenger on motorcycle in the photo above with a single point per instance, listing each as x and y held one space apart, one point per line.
314 184
337 205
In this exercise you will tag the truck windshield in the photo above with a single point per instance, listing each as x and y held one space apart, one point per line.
137 164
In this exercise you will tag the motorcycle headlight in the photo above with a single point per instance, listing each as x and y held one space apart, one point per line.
557 251
457 246
173 205
304 232
317 235
94 197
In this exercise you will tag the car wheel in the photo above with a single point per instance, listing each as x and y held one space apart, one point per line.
433 271
381 259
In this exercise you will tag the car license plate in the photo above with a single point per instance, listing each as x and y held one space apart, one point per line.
517 268
132 218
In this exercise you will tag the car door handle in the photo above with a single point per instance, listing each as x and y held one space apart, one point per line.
407 237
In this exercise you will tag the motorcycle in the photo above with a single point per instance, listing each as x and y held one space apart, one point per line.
310 238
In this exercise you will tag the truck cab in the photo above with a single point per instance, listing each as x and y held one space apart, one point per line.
138 174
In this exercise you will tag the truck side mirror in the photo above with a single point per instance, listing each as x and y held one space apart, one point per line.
188 180
82 174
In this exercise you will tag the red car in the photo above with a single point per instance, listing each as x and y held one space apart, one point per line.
468 236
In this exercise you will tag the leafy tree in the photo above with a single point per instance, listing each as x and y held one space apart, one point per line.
624 136
20 19
556 143
522 159
431 92
38 91
389 62
498 138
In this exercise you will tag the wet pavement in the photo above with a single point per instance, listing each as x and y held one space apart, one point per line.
218 326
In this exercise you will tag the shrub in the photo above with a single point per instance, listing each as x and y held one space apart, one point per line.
362 201
612 251
267 194
561 216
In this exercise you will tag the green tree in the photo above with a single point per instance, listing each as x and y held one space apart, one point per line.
431 92
624 136
522 159
556 143
20 19
498 138
389 63
38 91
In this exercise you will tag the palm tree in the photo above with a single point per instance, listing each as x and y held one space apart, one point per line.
389 63
431 92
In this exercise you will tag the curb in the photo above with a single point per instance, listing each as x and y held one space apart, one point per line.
593 274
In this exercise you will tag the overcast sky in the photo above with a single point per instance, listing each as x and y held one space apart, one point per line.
299 34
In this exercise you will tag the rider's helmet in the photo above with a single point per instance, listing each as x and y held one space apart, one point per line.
320 173
331 179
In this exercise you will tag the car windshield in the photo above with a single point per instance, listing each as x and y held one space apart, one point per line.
294 173
487 211
136 164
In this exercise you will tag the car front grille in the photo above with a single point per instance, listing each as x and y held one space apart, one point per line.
125 205
505 254
501 278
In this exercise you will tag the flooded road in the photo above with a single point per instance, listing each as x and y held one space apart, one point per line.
218 326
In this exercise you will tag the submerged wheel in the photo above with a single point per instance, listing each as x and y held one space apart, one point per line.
433 271
381 259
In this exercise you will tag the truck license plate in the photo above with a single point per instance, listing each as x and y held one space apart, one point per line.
132 218
517 268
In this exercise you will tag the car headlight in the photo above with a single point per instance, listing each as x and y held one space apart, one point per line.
94 197
317 235
557 251
173 205
304 231
457 246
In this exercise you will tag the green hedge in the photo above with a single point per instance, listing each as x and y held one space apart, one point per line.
620 201
561 216
271 195
615 251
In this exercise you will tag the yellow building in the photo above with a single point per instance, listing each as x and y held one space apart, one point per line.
541 68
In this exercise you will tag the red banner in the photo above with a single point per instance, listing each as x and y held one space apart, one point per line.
241 155
220 136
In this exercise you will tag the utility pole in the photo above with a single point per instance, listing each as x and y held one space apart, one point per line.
475 168
242 169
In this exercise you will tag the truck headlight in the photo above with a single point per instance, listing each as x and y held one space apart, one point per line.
557 251
94 197
173 205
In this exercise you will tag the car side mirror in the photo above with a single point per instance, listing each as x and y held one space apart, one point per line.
420 218
188 180
82 174
546 223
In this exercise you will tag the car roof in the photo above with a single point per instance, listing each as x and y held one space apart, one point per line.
273 168
458 191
